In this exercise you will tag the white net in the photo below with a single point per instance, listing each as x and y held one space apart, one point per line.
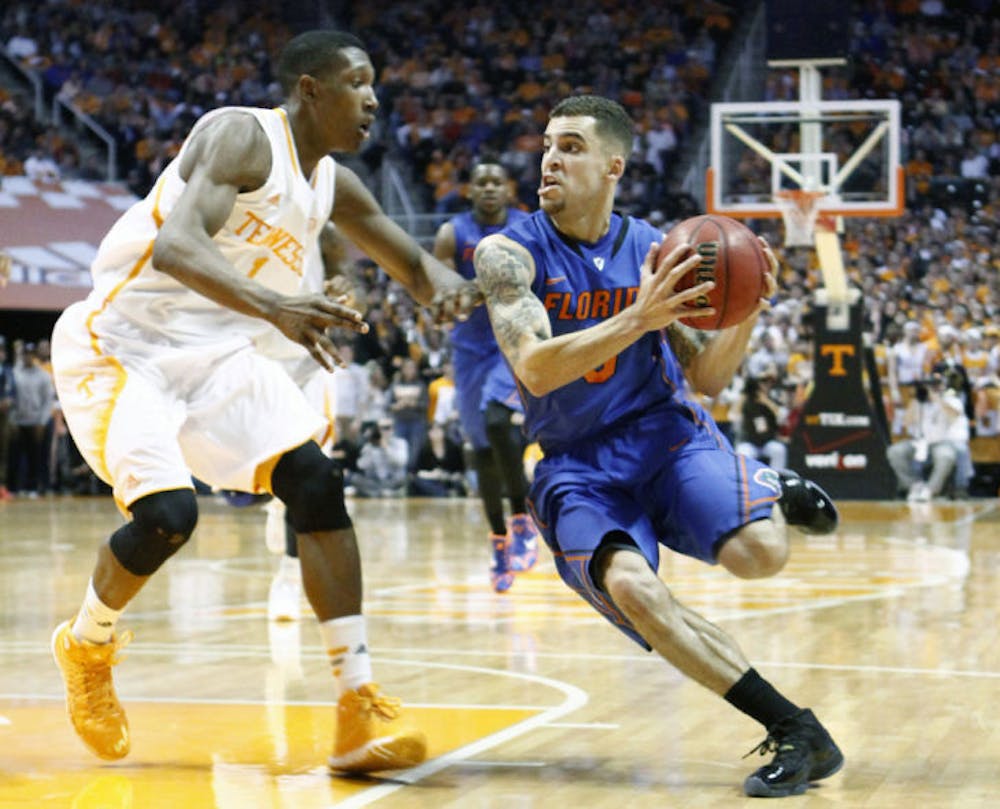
799 210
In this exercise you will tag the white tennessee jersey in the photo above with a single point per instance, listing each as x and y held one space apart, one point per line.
266 237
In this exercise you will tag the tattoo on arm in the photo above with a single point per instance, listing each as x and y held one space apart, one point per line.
517 316
687 343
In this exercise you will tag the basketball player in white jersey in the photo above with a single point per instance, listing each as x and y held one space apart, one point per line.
160 377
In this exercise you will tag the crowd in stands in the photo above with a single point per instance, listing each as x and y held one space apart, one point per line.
455 79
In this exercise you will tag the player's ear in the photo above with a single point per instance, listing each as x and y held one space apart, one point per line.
307 87
616 167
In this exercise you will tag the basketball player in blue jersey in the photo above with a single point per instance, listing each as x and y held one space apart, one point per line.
160 374
488 402
588 321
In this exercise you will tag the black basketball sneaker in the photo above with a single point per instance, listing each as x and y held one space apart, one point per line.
805 505
804 752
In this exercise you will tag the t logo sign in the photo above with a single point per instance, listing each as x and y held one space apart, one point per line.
839 351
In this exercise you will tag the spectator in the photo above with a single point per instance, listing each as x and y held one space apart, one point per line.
440 469
33 401
907 365
6 422
761 418
351 392
381 463
41 168
938 438
441 407
376 401
408 406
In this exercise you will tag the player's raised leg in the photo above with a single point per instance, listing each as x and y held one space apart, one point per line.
804 751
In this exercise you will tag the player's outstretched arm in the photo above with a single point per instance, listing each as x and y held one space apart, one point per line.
230 156
359 217
544 363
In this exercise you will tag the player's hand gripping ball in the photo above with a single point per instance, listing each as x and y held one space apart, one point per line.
731 256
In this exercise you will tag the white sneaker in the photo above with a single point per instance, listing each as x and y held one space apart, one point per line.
274 526
919 493
284 600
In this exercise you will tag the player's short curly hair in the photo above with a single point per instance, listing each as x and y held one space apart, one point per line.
313 53
613 123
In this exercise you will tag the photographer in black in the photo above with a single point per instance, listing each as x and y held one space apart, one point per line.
760 419
938 437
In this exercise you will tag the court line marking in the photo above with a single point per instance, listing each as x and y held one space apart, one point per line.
575 698
319 655
481 763
305 703
316 653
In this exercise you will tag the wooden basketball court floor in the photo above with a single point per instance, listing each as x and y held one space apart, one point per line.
888 630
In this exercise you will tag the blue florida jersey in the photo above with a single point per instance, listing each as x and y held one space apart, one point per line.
581 285
475 334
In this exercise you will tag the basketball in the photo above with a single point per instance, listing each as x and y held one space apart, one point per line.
732 257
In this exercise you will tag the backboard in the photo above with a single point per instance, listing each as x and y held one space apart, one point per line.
848 151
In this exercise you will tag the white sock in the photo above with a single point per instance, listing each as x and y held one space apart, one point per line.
347 647
289 568
96 620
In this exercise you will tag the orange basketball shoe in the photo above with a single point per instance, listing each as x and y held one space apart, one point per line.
367 736
97 716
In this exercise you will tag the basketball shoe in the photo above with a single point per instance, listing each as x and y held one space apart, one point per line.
804 752
805 505
97 716
523 542
369 737
501 575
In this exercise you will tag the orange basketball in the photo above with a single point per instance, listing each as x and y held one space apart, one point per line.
732 257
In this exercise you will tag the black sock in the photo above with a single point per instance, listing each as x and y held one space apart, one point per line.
757 698
291 541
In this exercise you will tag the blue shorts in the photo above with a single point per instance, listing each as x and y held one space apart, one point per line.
480 380
500 387
669 478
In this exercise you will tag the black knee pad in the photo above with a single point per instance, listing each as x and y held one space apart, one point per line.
161 524
312 488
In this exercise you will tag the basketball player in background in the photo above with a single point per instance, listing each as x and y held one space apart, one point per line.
588 319
160 376
489 406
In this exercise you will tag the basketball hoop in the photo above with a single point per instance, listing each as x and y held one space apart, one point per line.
799 210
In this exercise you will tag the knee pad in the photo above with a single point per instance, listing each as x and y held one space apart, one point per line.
161 524
312 488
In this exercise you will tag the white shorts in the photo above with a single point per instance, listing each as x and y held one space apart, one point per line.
318 384
146 417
